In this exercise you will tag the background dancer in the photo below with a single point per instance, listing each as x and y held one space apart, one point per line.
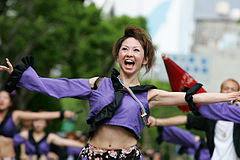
11 118
117 113
37 141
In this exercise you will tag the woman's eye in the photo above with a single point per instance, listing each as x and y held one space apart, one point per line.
136 50
124 48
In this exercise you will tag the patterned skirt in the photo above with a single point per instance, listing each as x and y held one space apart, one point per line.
90 152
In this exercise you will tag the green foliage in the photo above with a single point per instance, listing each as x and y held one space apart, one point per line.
76 105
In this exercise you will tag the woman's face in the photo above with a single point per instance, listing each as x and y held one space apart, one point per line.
39 125
131 56
229 87
5 100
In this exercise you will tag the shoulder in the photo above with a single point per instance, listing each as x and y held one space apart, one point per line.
52 136
16 116
92 81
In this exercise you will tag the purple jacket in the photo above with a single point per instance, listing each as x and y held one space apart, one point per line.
126 115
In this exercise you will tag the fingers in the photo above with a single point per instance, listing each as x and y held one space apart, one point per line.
3 68
9 65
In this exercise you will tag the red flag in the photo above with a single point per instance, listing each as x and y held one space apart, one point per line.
179 78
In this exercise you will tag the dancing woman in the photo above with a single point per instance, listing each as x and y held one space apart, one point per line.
119 106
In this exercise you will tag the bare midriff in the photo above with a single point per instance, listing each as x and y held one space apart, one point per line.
6 147
112 137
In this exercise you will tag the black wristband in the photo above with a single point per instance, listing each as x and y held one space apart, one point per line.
188 97
61 114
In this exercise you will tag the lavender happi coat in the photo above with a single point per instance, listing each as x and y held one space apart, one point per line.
126 115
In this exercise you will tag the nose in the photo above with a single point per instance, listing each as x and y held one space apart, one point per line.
130 53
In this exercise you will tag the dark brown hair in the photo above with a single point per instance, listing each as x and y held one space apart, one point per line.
144 39
232 80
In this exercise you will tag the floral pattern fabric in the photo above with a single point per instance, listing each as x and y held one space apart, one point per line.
92 153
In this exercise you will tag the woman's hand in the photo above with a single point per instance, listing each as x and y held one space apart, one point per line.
9 69
152 121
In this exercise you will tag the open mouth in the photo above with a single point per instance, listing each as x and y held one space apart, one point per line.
129 63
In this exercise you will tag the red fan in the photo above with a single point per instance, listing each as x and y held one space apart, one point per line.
179 78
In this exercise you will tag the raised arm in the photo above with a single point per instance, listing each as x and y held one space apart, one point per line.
23 75
158 98
221 111
59 141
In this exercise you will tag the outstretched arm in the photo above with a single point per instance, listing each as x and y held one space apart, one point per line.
158 98
23 75
59 141
19 115
172 121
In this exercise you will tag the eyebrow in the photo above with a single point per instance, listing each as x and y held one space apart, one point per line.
133 46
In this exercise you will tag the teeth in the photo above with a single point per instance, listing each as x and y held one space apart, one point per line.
129 60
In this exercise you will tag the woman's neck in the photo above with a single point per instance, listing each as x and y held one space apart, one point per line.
38 135
130 81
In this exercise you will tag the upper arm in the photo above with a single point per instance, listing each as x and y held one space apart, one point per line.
158 98
55 139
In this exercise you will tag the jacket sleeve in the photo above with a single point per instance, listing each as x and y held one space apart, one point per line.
179 136
58 88
221 111
18 140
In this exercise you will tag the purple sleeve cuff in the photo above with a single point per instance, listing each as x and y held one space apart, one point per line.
58 88
221 111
